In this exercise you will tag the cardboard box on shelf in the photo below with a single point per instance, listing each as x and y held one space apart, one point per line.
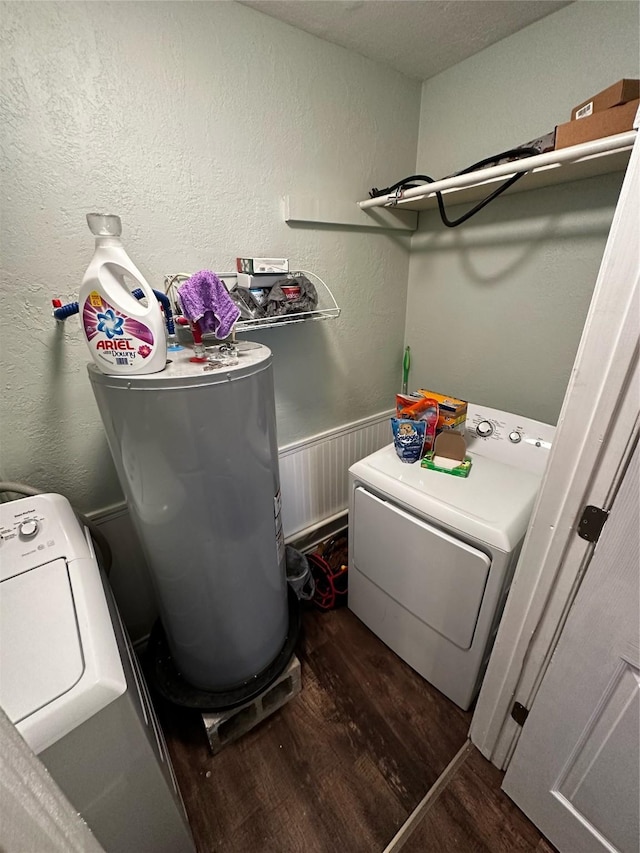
605 123
262 266
255 281
620 93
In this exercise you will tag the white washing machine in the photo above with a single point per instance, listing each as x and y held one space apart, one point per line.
70 682
431 555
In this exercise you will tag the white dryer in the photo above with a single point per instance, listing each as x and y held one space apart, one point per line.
431 555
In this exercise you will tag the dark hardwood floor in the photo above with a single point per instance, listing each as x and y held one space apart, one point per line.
339 768
471 814
344 764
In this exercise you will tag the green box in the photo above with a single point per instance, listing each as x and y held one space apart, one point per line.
462 470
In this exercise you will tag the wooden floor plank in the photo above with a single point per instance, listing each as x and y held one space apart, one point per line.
545 847
409 704
472 814
416 816
407 726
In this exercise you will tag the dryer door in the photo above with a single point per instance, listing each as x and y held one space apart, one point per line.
436 577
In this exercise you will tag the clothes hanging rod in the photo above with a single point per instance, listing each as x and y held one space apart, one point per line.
585 150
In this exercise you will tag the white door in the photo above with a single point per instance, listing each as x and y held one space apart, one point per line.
576 769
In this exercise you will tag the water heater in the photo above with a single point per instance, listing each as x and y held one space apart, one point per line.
196 454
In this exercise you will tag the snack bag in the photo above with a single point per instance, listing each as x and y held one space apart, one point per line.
408 438
410 405
416 407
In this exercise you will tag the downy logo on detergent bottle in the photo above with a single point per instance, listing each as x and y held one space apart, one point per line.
123 334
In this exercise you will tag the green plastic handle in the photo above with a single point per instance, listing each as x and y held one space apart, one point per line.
406 364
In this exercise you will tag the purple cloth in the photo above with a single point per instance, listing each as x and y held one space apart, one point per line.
205 300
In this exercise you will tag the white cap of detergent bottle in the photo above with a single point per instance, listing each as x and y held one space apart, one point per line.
124 335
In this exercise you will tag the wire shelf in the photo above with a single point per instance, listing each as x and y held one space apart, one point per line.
327 306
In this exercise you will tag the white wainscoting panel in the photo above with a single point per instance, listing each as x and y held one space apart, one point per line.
314 478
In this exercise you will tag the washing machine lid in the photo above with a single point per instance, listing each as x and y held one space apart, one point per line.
492 505
59 659
39 660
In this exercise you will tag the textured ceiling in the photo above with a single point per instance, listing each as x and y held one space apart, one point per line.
420 38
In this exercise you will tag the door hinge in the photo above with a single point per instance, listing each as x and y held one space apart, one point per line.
591 523
519 713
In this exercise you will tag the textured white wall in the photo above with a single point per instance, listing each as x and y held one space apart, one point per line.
496 307
190 120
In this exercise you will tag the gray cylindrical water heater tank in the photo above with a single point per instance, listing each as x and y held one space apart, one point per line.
197 458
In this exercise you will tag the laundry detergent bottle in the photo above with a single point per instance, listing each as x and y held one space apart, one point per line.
124 335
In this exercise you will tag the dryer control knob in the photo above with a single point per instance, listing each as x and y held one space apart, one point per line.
28 528
484 429
515 437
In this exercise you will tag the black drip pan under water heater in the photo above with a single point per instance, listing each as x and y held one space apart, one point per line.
162 672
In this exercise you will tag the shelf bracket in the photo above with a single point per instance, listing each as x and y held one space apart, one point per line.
331 211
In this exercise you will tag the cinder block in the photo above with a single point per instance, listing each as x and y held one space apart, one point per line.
225 727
